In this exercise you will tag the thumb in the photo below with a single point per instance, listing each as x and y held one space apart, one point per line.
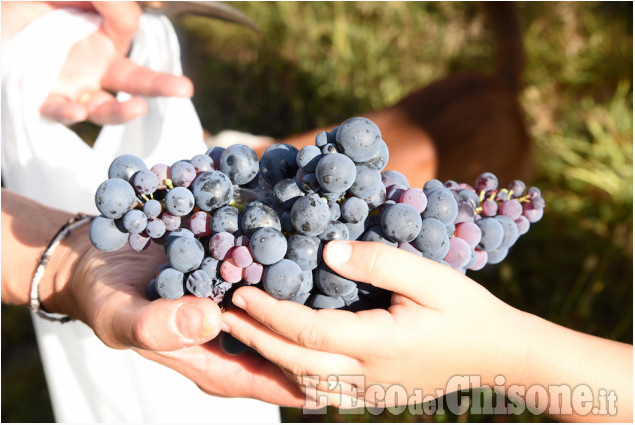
164 325
420 279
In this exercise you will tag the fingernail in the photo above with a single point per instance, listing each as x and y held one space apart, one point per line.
338 252
192 322
239 301
225 327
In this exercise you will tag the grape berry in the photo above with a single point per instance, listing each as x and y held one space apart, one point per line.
226 219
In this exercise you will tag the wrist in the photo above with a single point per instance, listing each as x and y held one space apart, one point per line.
506 361
55 289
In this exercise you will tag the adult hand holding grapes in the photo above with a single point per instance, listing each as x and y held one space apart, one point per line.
107 291
440 324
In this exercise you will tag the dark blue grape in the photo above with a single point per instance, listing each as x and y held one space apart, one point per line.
303 250
287 191
486 182
182 173
199 284
181 232
210 266
516 188
144 182
335 172
179 201
170 284
124 166
359 138
310 183
336 211
331 136
330 283
278 162
307 281
432 185
286 226
283 279
357 303
376 199
450 229
497 255
310 215
211 190
185 254
510 231
258 216
321 301
321 139
215 153
380 160
301 298
202 163
135 221
152 208
333 196
433 240
155 228
473 260
441 205
451 184
226 219
308 157
240 163
468 196
465 213
114 198
355 230
401 223
151 290
336 230
268 246
367 181
354 210
105 235
492 234
376 234
329 148
392 177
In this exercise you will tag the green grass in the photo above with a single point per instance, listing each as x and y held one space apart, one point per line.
314 64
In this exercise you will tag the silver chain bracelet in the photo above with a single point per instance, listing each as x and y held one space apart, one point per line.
35 303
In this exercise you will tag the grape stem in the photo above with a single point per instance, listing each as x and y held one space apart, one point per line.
239 205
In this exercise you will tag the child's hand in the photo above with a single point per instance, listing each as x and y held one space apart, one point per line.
440 324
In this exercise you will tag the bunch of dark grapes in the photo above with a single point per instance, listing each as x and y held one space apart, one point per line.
227 219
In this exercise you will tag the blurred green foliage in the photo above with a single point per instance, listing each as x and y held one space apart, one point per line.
317 63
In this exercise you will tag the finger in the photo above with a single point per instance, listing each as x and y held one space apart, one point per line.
120 21
298 360
125 75
60 108
425 281
159 325
335 331
220 374
103 108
